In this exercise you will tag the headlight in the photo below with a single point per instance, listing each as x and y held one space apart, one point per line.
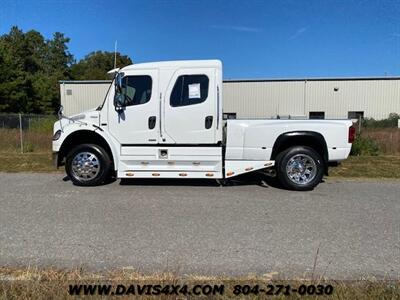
57 135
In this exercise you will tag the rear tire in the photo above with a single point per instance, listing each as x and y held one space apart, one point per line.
299 168
88 165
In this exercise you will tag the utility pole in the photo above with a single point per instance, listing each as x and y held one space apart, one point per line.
20 133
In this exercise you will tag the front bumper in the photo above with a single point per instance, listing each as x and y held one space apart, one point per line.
55 159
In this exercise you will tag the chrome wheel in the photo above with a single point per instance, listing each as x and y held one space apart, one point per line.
301 169
85 166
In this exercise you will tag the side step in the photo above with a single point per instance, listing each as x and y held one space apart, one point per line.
237 167
169 174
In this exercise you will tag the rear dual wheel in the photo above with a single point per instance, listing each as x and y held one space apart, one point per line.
88 165
299 168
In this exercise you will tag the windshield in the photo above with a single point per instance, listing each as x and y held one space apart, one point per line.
108 91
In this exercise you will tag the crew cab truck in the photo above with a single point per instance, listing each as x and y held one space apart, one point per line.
164 120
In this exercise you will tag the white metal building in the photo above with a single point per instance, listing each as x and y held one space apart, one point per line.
77 96
330 98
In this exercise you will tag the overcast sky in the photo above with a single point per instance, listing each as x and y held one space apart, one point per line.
254 39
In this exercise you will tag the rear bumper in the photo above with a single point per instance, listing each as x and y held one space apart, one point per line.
339 154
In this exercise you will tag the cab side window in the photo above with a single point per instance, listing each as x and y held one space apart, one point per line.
136 89
189 90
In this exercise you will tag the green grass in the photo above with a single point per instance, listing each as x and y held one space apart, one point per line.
33 283
33 141
368 167
26 162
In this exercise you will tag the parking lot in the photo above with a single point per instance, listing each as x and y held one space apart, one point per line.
199 227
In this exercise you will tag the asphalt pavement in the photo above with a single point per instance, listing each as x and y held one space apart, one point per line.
351 228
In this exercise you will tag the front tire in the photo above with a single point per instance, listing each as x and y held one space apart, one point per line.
88 165
300 168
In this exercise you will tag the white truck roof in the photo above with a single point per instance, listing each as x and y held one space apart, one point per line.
175 64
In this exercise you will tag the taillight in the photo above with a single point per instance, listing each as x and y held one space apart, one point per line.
352 134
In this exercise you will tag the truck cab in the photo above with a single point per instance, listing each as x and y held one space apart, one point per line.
167 103
164 120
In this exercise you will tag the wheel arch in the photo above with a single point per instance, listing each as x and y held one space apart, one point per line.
311 139
84 137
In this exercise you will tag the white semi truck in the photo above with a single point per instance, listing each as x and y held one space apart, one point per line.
164 120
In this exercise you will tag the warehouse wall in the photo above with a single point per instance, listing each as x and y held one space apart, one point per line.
264 99
377 98
257 99
267 99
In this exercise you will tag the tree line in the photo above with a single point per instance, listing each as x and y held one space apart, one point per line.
31 66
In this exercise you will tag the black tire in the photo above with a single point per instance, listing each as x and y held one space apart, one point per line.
96 175
292 181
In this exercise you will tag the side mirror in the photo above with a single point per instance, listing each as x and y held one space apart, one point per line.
119 102
118 82
119 97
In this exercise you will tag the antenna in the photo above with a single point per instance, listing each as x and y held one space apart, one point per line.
115 54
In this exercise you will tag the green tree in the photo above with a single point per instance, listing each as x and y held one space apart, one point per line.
30 68
59 58
96 65
13 84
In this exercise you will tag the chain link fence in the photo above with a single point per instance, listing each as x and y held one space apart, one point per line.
26 132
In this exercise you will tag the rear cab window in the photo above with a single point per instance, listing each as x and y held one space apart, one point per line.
189 90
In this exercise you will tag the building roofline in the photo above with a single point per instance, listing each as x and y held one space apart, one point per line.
259 80
315 79
84 81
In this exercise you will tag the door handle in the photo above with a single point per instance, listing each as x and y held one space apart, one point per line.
152 122
208 122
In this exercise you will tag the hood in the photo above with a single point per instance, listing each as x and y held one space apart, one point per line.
91 116
86 116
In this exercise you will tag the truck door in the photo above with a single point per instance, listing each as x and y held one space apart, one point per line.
190 107
137 121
